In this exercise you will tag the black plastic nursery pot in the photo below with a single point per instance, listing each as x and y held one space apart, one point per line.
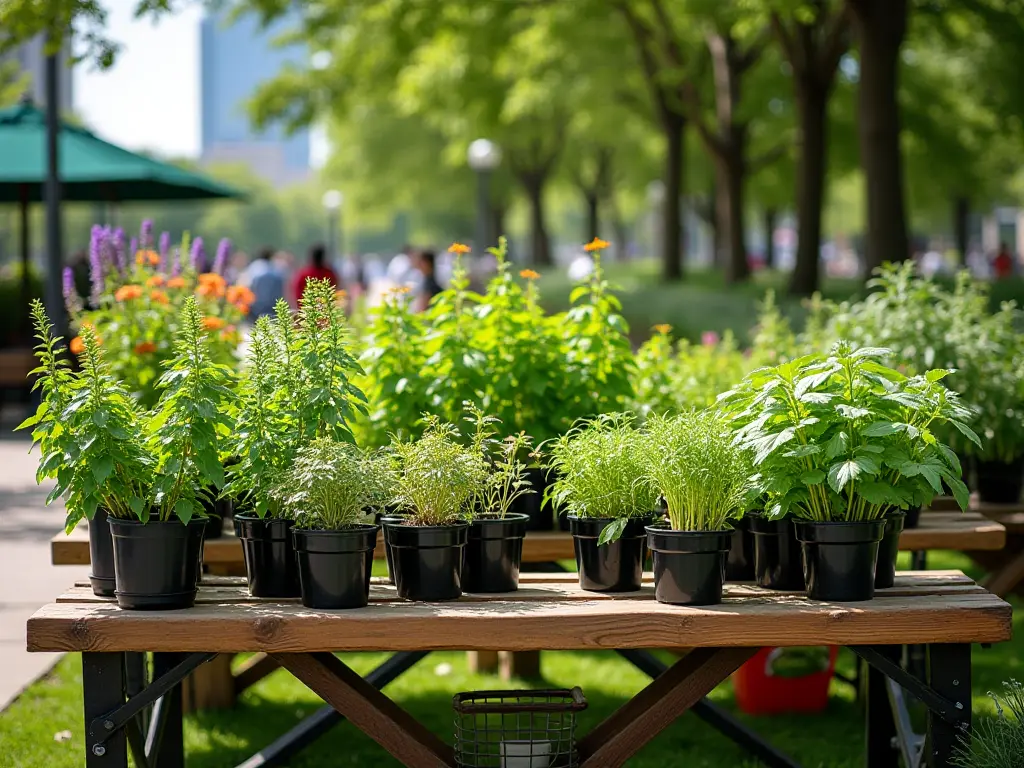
494 552
889 549
613 567
101 555
688 565
269 554
334 566
778 560
1000 482
156 564
840 558
394 518
913 517
428 560
739 564
218 510
541 513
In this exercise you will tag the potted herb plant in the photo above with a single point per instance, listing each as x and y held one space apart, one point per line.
845 444
600 484
996 742
704 477
494 548
437 481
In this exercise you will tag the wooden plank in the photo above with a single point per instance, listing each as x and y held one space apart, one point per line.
669 695
254 669
516 624
369 710
520 665
1004 580
210 686
954 530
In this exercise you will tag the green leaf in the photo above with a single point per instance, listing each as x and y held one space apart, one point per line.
812 477
966 431
852 411
875 492
842 473
937 374
803 450
184 509
836 445
877 352
880 429
960 492
612 531
100 418
101 468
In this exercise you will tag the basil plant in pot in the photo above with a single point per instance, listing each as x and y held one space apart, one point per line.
692 460
296 387
846 445
600 484
437 481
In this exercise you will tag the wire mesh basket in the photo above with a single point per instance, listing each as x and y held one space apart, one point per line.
517 729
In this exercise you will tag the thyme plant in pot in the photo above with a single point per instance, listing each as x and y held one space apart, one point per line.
846 444
437 481
704 476
600 484
494 549
328 490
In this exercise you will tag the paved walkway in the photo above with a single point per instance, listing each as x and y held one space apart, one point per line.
27 579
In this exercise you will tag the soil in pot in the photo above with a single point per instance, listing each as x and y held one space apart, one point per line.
840 558
1000 482
387 520
428 560
494 552
888 549
334 566
778 560
156 564
688 565
541 513
739 565
101 555
269 555
613 567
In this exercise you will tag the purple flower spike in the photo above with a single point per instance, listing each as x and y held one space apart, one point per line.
146 234
198 255
175 263
133 249
221 260
71 300
120 259
165 248
97 246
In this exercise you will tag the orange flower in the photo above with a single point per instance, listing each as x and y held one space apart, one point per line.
230 333
159 297
147 257
597 244
128 292
340 296
77 345
155 280
212 323
528 274
239 294
663 328
458 248
176 282
145 347
398 290
212 285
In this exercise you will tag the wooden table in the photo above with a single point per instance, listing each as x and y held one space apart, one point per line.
942 610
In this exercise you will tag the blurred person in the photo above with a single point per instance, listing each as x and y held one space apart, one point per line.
402 270
317 269
353 274
1002 264
266 280
425 262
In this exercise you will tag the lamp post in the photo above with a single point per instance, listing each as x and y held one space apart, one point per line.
332 201
483 157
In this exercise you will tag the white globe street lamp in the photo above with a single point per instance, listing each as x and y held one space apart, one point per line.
332 201
483 157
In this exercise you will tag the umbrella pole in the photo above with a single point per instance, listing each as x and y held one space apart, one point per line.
54 250
26 284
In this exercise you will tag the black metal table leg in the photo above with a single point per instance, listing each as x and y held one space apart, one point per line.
919 559
949 675
168 739
880 728
103 691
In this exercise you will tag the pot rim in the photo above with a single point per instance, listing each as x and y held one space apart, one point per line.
194 520
669 541
840 532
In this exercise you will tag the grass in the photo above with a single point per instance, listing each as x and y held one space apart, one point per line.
833 739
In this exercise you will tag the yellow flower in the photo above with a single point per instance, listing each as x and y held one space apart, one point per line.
128 292
211 323
597 244
529 274
663 328
458 248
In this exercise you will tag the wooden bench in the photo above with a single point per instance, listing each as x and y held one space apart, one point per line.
942 610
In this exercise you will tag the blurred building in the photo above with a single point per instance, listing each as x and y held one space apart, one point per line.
30 58
235 59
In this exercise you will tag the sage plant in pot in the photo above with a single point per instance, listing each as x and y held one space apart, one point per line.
437 481
692 461
600 484
840 442
327 490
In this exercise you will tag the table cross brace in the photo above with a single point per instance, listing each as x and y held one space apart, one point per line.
950 711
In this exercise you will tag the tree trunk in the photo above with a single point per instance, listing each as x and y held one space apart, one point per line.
540 245
812 108
673 236
770 214
737 269
961 210
590 197
881 26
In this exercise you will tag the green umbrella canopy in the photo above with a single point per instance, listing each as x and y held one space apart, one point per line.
91 170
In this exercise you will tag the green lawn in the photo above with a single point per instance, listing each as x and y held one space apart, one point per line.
215 739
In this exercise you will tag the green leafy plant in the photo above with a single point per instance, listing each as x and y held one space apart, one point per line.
506 480
599 468
843 437
997 742
331 486
693 462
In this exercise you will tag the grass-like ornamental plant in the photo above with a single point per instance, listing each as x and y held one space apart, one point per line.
331 486
437 477
844 438
506 480
599 465
693 462
997 742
